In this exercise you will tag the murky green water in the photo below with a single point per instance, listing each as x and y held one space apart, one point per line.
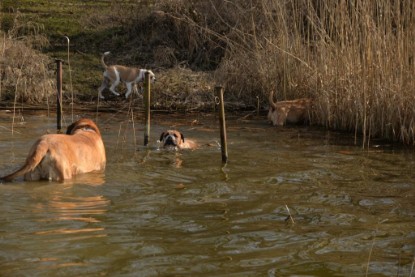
164 213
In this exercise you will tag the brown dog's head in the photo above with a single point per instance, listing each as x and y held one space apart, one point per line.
84 124
171 138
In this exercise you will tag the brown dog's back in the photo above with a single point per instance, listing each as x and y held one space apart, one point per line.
61 156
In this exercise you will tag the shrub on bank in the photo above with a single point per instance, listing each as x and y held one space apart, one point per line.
25 74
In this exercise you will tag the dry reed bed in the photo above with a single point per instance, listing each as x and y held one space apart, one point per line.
355 58
25 73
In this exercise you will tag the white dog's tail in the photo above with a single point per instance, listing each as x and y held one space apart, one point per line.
102 59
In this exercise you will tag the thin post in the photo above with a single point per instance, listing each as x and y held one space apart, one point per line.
223 138
257 106
59 94
215 102
147 107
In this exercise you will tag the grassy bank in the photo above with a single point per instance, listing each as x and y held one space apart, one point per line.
354 58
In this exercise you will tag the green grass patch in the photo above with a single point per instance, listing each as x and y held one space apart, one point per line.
57 19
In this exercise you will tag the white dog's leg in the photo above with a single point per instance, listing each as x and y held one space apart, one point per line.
129 87
103 86
112 88
116 83
100 90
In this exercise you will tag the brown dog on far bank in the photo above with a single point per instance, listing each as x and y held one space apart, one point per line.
289 112
57 157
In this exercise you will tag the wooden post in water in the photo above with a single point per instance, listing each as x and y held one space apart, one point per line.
222 121
59 95
257 106
147 107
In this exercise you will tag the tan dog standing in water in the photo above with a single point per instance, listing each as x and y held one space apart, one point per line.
57 157
114 74
291 111
174 138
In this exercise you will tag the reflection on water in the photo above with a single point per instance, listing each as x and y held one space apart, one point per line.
74 208
45 222
158 213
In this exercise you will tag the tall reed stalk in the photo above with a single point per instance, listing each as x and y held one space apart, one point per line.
2 69
70 76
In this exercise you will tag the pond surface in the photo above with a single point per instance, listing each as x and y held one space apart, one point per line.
291 201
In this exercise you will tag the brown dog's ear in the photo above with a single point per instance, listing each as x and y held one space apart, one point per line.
70 128
162 136
83 123
182 136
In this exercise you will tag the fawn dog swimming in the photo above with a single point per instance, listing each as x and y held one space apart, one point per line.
174 138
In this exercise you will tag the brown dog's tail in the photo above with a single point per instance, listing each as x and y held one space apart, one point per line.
102 59
271 100
34 158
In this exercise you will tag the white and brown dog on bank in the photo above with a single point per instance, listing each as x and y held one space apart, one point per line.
58 157
175 139
289 112
115 74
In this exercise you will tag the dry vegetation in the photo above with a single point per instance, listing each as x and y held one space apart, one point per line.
354 57
24 71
